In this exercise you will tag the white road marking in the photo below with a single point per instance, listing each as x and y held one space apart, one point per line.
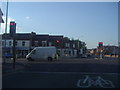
72 73
99 82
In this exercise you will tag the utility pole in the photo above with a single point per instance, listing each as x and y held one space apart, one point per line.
78 48
14 51
6 30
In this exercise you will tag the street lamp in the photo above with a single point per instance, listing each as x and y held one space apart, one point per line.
6 29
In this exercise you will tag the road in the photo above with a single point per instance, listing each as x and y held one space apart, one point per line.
51 80
63 73
73 65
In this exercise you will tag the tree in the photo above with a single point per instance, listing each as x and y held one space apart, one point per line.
66 39
106 51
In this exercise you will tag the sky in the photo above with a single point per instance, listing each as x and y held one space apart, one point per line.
91 22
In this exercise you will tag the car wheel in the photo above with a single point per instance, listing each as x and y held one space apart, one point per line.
49 58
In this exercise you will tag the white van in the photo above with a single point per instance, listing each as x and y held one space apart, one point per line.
42 53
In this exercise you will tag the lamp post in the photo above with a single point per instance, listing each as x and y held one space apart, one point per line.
6 30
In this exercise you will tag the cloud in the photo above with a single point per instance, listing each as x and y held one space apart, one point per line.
3 24
27 17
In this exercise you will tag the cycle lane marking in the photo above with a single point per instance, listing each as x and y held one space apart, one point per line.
89 82
79 74
85 73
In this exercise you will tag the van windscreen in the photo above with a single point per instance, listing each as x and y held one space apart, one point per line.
33 51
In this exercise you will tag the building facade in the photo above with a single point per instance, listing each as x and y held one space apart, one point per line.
105 50
25 42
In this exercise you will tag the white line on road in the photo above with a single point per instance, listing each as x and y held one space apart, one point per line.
71 73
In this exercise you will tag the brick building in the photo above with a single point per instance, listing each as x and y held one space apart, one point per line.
25 42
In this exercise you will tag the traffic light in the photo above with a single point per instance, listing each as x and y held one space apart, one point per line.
100 44
57 42
12 28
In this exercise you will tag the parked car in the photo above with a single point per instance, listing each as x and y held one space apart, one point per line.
84 56
8 55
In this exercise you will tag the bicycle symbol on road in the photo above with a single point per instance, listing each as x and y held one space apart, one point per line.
99 82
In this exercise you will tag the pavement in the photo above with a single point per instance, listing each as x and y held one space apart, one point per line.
7 67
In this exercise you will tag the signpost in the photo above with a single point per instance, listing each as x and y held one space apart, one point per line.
6 31
100 50
13 35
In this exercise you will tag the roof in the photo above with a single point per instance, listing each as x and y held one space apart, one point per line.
1 14
56 37
41 37
1 20
18 36
28 36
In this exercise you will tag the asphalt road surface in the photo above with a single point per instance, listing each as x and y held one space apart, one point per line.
68 73
58 80
74 65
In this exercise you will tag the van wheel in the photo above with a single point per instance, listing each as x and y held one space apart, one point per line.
49 59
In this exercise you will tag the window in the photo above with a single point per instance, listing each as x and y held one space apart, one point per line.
50 43
67 45
10 43
3 43
16 43
36 43
44 43
0 43
69 52
33 52
23 43
73 45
